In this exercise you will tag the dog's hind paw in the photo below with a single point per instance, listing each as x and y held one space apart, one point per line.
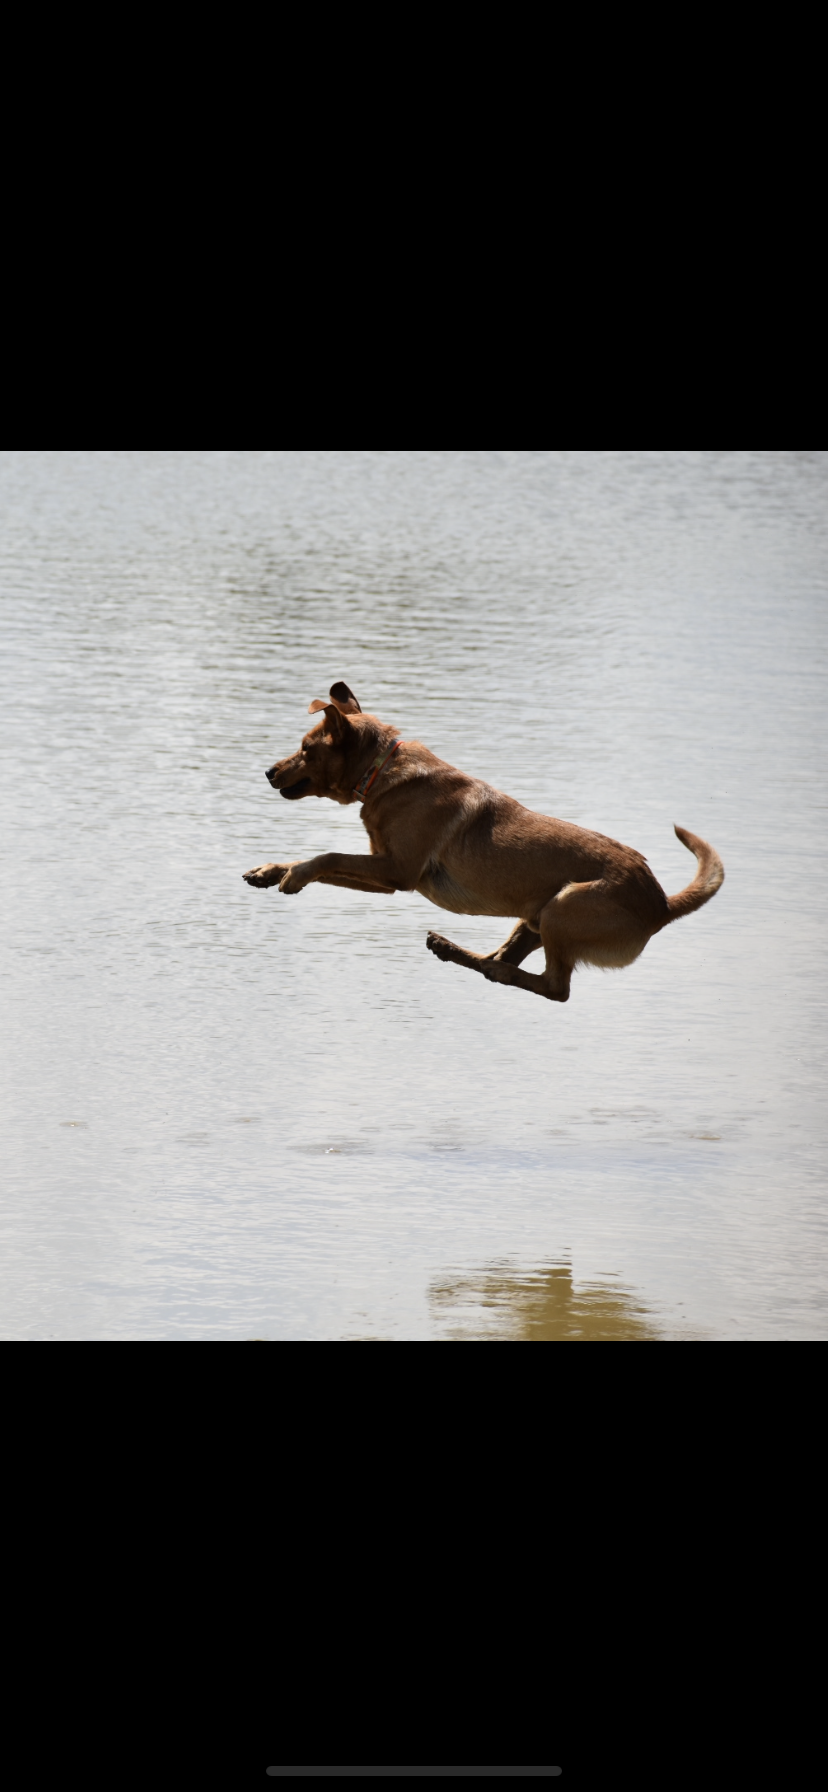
263 875
442 948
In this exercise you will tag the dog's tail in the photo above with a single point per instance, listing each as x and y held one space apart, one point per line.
708 879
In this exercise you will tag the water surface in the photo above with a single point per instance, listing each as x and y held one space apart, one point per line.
229 1114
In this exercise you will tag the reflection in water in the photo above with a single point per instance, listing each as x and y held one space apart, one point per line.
499 1302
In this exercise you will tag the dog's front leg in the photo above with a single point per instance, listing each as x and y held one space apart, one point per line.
354 883
263 877
362 871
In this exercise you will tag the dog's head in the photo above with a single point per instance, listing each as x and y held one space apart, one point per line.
328 761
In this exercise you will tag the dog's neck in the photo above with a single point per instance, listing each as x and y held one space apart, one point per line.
376 766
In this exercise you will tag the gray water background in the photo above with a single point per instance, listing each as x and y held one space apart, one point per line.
230 1114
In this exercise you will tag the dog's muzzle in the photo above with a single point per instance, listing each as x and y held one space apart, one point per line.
289 790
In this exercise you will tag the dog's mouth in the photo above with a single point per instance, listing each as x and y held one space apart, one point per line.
293 790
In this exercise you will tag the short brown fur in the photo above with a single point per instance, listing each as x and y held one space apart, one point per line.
467 848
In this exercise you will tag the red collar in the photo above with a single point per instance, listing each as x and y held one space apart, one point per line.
362 788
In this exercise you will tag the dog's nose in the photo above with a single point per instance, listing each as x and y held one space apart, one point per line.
269 776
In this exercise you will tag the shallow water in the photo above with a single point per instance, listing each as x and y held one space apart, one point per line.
230 1114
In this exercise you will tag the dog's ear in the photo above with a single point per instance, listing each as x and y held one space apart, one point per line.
344 699
336 724
341 697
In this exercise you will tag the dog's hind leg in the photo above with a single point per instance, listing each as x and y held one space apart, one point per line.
553 983
583 924
522 940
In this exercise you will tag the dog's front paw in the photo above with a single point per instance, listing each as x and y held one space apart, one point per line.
292 882
438 945
263 875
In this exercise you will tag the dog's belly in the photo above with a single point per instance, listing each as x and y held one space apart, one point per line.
613 958
439 887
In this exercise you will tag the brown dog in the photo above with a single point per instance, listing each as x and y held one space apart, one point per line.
468 848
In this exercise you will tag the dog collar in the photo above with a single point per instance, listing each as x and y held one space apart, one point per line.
362 788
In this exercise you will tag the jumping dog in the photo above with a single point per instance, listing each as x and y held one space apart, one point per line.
467 848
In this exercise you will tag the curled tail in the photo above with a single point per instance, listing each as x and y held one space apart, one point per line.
708 879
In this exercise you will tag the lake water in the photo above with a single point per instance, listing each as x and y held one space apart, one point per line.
230 1114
